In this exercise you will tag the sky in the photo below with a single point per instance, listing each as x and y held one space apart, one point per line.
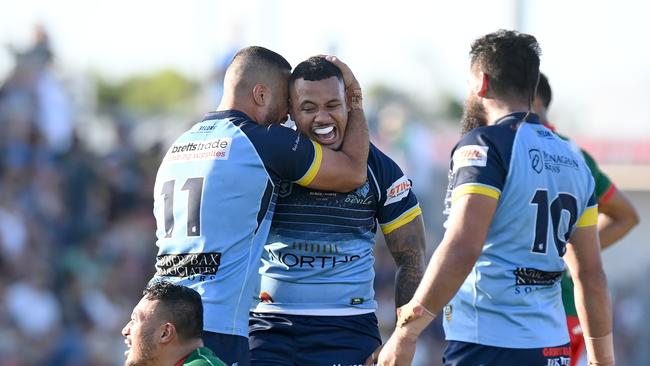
594 52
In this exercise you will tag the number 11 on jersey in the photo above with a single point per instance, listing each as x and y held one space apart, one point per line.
194 187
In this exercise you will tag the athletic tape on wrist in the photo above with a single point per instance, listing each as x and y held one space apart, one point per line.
600 350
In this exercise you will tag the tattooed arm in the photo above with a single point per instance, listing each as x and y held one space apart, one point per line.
407 245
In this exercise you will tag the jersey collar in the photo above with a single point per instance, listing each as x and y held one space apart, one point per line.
532 118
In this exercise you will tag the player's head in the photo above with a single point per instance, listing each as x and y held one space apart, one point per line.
258 76
504 67
543 97
167 315
317 101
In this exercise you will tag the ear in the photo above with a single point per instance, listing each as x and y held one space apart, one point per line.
261 94
167 333
482 91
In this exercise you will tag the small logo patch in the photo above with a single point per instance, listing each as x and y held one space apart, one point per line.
470 155
398 190
356 301
265 297
536 160
447 311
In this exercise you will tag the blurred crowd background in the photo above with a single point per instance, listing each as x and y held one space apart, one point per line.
78 157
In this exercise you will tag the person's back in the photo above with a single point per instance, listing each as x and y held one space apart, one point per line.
538 179
216 188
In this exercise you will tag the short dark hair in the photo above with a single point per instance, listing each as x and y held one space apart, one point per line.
511 61
314 69
255 56
544 90
180 305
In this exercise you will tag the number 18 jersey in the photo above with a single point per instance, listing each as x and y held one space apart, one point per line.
214 198
511 298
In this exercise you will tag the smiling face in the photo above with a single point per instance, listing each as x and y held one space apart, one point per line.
320 111
139 334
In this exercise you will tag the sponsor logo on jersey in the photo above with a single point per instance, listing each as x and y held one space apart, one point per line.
398 190
536 160
448 310
535 277
470 155
265 297
360 196
544 133
542 160
312 258
557 356
218 149
187 265
356 301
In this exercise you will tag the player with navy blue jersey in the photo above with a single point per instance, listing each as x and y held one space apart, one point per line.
520 204
316 295
216 188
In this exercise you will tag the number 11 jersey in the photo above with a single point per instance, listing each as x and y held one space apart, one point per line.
214 199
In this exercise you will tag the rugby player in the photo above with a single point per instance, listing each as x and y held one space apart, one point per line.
517 195
617 216
166 328
216 189
317 299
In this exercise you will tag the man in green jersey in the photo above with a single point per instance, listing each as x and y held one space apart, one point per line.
166 328
617 218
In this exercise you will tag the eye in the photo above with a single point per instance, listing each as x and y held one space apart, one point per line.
333 105
309 109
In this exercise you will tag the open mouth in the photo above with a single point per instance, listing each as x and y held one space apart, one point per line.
128 349
325 135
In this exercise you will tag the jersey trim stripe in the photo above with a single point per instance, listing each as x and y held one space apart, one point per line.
315 166
589 217
608 194
402 220
475 188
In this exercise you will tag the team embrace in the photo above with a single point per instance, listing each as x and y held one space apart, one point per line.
266 233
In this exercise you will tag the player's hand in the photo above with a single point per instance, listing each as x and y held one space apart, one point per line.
349 80
372 359
399 350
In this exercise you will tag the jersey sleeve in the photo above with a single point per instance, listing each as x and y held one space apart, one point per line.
604 187
288 154
479 164
590 215
397 204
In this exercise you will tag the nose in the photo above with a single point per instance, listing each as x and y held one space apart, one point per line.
127 329
322 115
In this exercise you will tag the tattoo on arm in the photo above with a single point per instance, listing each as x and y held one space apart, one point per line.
407 245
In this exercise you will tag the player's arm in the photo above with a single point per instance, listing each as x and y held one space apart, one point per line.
346 169
591 294
468 225
617 217
407 246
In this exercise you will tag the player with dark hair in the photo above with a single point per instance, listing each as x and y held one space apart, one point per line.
317 299
166 327
216 188
617 217
518 194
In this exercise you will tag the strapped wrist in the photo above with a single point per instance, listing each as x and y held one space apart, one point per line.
600 350
356 98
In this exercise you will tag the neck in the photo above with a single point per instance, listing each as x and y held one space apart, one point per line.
180 351
231 102
496 109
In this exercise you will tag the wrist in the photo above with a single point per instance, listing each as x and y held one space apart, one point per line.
600 350
356 98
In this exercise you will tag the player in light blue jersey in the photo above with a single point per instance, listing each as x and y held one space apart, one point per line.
216 188
317 299
517 195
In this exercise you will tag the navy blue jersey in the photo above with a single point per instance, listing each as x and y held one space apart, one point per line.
318 257
511 298
214 197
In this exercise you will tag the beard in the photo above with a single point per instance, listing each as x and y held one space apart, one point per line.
474 115
146 352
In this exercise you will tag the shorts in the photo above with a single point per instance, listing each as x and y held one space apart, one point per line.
280 339
472 354
231 349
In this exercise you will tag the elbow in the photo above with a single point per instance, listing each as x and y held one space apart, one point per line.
634 218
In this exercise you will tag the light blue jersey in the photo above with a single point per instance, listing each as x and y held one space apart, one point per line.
214 198
512 297
318 258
